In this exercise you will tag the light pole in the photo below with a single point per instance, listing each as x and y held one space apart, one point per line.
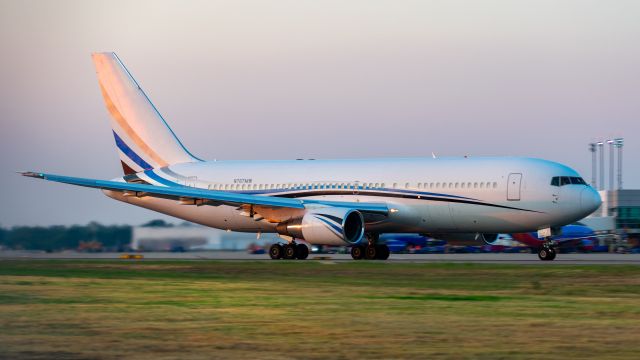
619 142
601 180
593 149
611 160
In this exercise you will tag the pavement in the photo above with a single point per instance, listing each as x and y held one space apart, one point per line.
495 258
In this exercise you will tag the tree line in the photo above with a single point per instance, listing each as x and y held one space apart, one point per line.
91 237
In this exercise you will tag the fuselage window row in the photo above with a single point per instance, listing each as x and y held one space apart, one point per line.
557 181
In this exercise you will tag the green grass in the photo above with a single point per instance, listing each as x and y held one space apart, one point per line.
292 309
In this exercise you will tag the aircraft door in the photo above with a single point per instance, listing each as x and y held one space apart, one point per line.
513 186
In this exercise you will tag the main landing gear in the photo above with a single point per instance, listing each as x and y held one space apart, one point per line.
371 251
547 252
289 251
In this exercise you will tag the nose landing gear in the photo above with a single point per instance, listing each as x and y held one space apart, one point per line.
547 252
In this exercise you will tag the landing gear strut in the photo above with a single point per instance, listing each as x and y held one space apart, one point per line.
289 251
371 251
547 252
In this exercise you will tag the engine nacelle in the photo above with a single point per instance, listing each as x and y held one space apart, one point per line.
326 226
465 238
488 239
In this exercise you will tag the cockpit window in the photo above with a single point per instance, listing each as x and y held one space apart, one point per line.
578 181
567 180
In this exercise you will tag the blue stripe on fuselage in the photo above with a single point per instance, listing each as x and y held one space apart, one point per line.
161 180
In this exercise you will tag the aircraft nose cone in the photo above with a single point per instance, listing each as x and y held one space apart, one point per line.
590 200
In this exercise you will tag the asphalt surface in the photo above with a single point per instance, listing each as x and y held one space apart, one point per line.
585 259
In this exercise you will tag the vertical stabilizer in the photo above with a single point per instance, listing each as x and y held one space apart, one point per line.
143 138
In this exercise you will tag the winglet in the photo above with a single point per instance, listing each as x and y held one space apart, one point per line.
31 174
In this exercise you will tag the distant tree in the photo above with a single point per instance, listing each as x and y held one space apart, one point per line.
157 223
3 235
54 238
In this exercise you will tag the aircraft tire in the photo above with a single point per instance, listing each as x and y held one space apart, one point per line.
371 252
357 252
302 251
276 251
546 254
543 253
290 251
382 252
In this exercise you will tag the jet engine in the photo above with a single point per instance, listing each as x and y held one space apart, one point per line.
465 238
326 226
488 239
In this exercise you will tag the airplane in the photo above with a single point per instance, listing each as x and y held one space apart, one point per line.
569 236
346 202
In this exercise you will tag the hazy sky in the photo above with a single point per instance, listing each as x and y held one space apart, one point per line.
312 79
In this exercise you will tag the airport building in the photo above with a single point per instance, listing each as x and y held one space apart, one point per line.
623 206
618 214
192 237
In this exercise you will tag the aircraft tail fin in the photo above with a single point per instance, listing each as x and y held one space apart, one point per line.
143 138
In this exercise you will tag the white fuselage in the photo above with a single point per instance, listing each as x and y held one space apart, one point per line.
456 195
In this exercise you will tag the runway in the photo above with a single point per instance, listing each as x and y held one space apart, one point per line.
494 258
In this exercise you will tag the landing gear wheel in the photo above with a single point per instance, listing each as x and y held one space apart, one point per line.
357 252
290 251
371 252
276 251
543 253
382 252
302 251
546 254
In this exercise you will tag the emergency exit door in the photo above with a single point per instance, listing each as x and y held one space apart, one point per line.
513 187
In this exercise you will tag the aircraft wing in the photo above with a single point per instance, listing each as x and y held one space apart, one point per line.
209 197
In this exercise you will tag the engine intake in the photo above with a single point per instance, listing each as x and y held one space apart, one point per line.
489 239
326 226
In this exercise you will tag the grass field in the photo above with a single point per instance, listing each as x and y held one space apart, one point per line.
289 309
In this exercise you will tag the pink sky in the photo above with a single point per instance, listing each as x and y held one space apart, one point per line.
312 79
